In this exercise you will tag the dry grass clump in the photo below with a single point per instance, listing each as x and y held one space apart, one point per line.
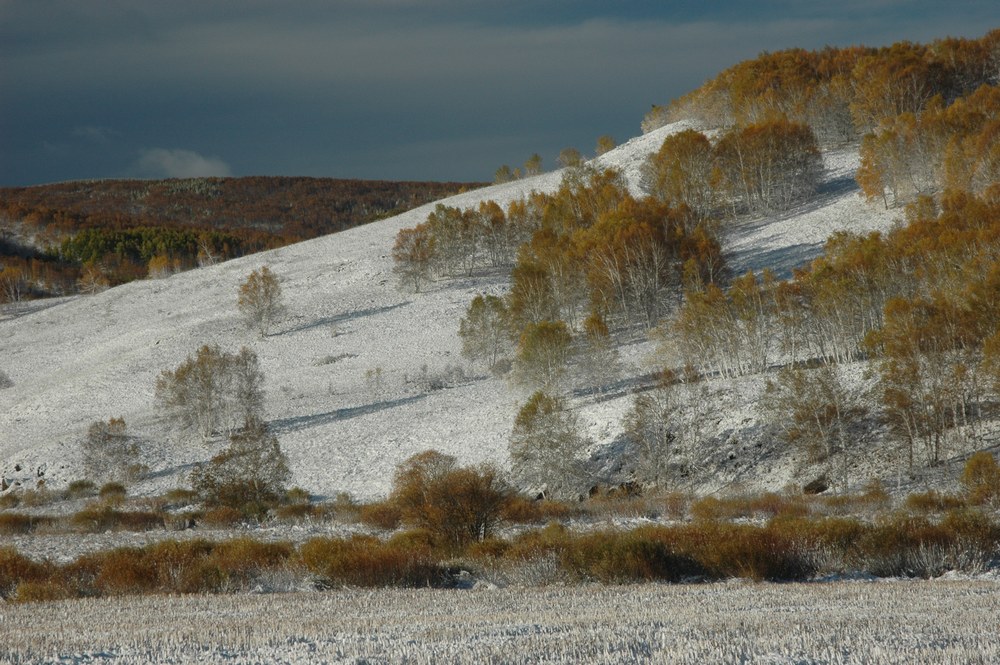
16 569
522 510
9 500
100 518
763 506
221 517
643 555
195 566
369 562
79 489
35 498
934 502
384 515
873 498
113 493
17 523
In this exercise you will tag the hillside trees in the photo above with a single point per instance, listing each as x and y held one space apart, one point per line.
260 300
605 143
414 255
543 353
109 453
485 332
768 166
955 146
545 448
213 391
812 410
681 172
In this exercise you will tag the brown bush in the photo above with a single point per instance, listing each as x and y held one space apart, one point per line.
223 516
113 493
17 523
16 569
368 562
981 478
9 500
522 510
42 591
764 506
96 519
554 537
933 502
734 550
458 504
37 497
298 512
181 566
79 489
491 548
643 555
381 515
242 559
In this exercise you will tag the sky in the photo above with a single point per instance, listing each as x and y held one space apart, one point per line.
382 89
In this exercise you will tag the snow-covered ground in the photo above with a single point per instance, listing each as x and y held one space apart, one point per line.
96 357
876 623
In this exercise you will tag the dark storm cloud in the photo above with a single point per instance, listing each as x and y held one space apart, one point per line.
377 88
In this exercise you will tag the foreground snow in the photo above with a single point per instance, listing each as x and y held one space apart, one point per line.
844 622
94 358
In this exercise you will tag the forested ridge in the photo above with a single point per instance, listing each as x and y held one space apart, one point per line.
61 238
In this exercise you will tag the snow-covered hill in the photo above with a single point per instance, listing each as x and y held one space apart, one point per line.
345 369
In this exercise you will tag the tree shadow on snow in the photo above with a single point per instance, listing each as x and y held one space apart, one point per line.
284 425
781 260
340 318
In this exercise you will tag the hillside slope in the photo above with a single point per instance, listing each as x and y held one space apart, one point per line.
347 370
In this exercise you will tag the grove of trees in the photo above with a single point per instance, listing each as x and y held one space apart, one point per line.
213 392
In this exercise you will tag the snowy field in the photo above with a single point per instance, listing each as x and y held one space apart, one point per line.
89 358
843 622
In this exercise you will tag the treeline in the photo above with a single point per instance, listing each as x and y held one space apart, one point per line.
108 232
841 93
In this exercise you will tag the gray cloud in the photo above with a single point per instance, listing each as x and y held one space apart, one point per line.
163 163
383 88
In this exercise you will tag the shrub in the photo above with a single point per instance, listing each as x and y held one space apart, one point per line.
16 569
35 498
732 550
981 478
242 559
13 523
249 475
96 519
113 492
9 500
42 591
381 515
933 502
222 516
553 538
180 496
522 510
458 505
368 562
297 512
765 506
643 555
80 489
